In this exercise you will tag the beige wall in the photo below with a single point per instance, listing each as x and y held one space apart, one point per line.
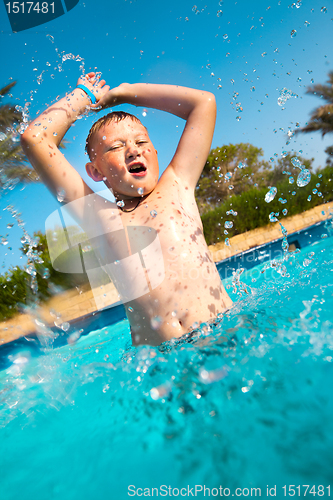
271 232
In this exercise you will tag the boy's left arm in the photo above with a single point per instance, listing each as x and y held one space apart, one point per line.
197 107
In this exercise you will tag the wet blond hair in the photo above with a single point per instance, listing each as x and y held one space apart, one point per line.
115 116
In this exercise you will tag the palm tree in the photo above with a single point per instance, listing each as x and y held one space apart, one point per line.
322 117
14 166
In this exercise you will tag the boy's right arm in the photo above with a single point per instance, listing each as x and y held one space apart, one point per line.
42 138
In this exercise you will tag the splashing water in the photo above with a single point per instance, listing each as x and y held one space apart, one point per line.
270 195
273 216
303 178
285 94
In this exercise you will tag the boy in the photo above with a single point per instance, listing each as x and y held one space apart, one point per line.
189 290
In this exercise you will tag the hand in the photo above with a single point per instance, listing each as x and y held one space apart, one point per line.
95 85
112 97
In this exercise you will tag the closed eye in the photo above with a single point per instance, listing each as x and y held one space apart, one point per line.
115 146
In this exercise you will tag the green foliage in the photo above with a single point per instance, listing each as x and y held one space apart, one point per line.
232 168
13 292
254 212
14 165
15 285
322 117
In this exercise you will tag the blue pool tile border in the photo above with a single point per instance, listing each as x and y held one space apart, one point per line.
272 250
89 323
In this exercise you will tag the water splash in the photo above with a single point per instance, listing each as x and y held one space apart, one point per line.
285 94
270 195
303 178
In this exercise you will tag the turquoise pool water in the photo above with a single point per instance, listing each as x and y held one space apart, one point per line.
246 404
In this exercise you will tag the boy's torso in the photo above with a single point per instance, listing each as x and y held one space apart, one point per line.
163 261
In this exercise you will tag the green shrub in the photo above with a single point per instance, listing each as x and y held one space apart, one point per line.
253 211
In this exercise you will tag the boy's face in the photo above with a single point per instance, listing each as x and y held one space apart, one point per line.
125 159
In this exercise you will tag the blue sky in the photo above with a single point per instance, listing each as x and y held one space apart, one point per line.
247 49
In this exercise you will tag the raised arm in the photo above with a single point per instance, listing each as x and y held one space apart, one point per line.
42 138
197 107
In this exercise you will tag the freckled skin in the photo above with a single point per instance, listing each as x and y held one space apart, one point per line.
191 291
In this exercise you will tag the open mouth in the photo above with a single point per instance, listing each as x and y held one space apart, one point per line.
137 169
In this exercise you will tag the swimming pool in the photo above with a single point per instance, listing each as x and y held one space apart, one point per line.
245 404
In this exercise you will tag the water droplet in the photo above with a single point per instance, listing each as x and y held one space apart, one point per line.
130 309
272 216
293 33
46 273
61 195
155 322
284 211
120 203
253 88
106 387
281 200
295 161
324 10
227 242
304 177
270 195
55 134
219 13
144 113
228 224
65 326
238 118
306 23
285 94
153 213
9 226
50 37
309 197
31 270
140 191
225 36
